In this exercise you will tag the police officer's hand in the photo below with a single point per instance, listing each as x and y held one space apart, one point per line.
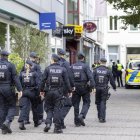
70 95
73 89
94 91
20 94
42 93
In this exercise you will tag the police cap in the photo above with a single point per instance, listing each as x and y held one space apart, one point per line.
61 52
81 55
33 54
55 57
5 53
103 60
29 62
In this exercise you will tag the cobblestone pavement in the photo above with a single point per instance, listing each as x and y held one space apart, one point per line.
123 122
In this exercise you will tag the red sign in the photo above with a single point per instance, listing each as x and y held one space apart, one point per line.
89 27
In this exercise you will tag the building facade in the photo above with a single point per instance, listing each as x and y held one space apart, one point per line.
120 44
20 13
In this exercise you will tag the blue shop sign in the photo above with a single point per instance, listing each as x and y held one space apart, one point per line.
47 21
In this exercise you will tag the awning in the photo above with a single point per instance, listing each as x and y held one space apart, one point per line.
11 15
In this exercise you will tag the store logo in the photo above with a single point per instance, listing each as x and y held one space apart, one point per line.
68 31
89 27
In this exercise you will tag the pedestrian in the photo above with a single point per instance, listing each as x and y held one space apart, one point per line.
84 82
54 79
102 75
30 83
67 99
114 70
119 73
8 79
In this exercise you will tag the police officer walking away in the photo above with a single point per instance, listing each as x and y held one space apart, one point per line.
114 70
54 78
36 67
84 82
119 73
102 75
67 100
8 78
30 83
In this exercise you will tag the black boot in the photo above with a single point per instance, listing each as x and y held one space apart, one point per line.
57 129
47 128
36 124
63 125
81 119
6 127
21 126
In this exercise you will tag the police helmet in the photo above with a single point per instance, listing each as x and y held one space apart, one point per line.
81 55
103 60
55 57
29 62
5 53
61 52
33 55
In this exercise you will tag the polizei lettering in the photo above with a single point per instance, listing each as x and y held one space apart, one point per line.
55 71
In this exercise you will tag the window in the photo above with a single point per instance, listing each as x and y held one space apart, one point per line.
113 23
73 11
73 18
73 5
134 29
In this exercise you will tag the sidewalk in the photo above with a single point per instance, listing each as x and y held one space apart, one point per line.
123 122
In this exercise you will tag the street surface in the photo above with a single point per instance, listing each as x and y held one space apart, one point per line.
123 122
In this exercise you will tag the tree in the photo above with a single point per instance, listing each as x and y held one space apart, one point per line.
26 39
17 60
131 8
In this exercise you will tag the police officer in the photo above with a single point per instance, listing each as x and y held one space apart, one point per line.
119 73
84 82
102 75
37 68
67 98
30 83
8 78
54 78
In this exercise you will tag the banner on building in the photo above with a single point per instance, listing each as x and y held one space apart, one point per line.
100 8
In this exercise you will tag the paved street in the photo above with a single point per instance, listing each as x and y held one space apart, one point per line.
123 122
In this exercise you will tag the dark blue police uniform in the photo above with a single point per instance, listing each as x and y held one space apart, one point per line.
8 79
67 100
102 75
30 84
82 75
54 78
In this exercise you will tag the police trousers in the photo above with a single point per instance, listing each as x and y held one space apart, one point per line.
84 94
29 97
53 106
7 103
100 101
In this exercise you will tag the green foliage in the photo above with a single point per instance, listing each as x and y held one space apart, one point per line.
17 60
2 35
131 8
27 39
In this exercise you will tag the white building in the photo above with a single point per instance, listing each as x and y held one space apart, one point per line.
120 44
